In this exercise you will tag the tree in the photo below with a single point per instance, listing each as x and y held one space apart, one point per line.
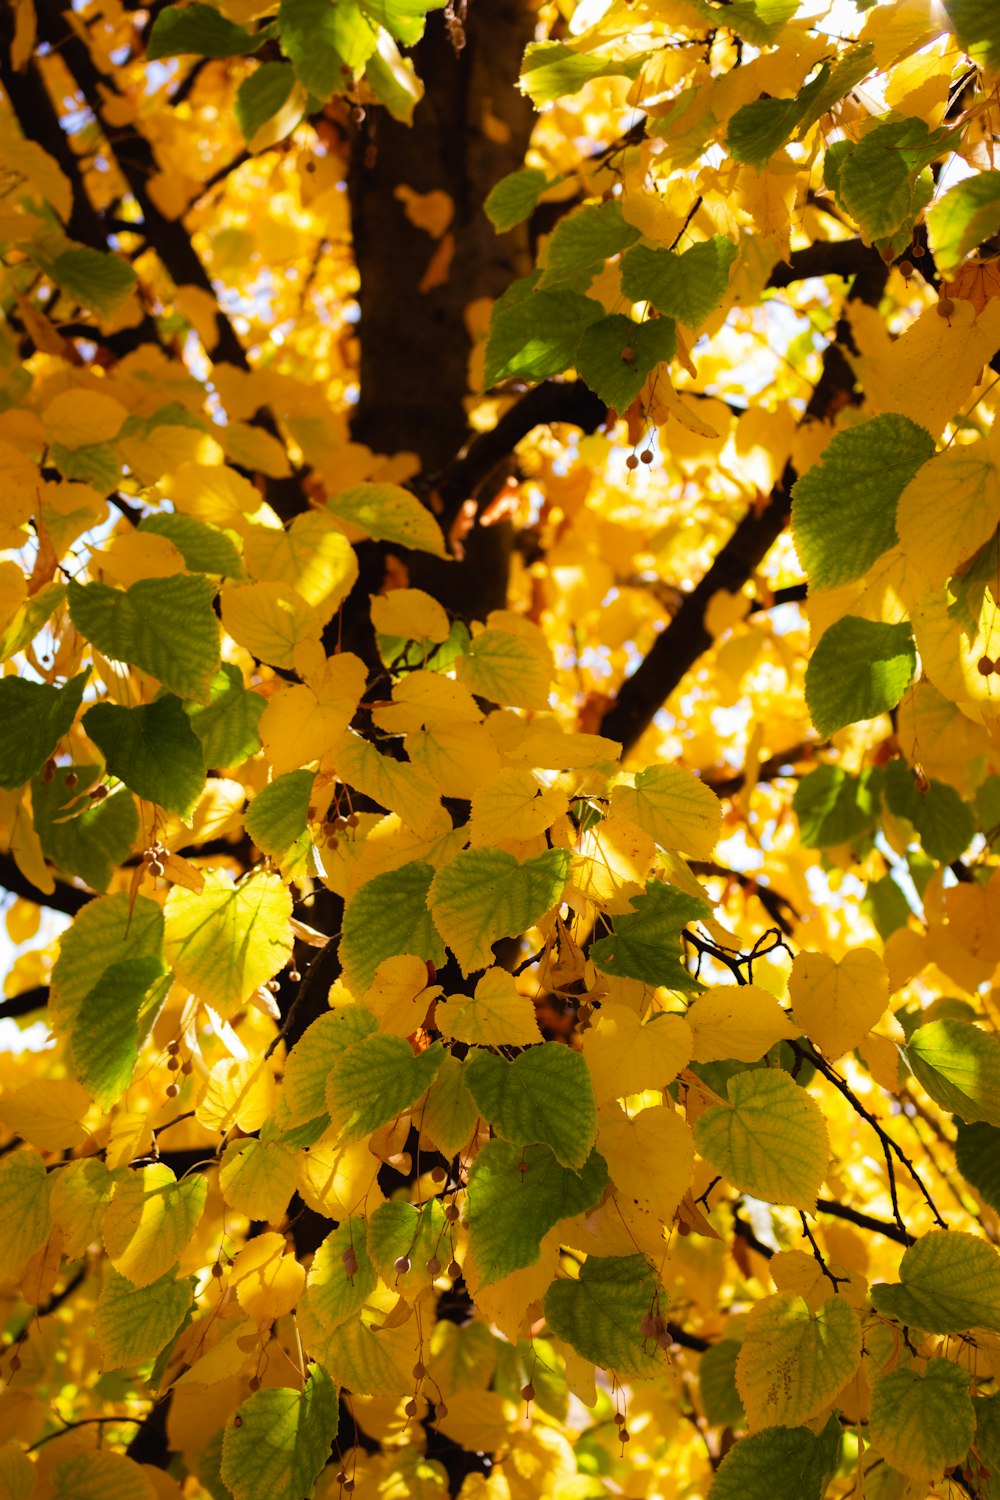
499 758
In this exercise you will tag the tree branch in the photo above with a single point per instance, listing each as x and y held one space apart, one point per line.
686 638
854 1216
65 898
25 1004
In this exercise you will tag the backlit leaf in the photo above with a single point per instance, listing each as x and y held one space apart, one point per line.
487 894
646 941
150 1220
133 1324
152 749
948 1282
923 1421
770 1140
374 1080
544 1097
838 1003
859 669
33 719
959 1066
794 1360
225 940
165 626
599 1314
283 1440
510 1211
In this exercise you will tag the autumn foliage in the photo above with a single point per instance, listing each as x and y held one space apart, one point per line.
500 749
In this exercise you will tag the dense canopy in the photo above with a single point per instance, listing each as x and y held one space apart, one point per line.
499 749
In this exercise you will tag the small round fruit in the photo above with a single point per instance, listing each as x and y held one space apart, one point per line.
984 666
172 1091
646 455
945 307
173 1047
71 779
454 1270
631 462
15 1363
619 1419
440 1411
528 1391
434 1266
418 1370
401 1265
451 1213
216 1270
438 1174
624 1436
410 1408
255 1382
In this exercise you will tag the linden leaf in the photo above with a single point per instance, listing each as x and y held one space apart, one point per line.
150 1221
646 941
258 1177
98 1476
599 1314
165 626
374 1080
923 1421
625 1057
959 1066
838 1003
266 1279
225 940
486 894
33 719
152 749
674 807
333 1295
388 513
649 1155
543 1097
24 1205
497 1016
794 1360
859 669
949 509
739 1022
781 1463
949 1282
510 1211
282 1441
770 1140
386 917
133 1324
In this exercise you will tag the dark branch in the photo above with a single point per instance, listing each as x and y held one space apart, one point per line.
861 1220
65 898
24 1004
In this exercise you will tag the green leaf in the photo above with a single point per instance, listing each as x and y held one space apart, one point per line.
331 1296
387 916
877 180
599 1314
152 749
278 821
759 129
948 1283
834 806
536 334
987 1410
844 507
688 287
325 43
770 1140
283 1440
781 1463
96 280
860 669
33 614
107 931
795 1359
616 356
886 904
450 1114
717 1384
514 197
261 96
133 1324
959 1066
398 1229
544 1097
757 21
201 30
510 1211
960 221
832 82
403 19
33 719
646 941
374 1080
97 464
923 1421
394 82
164 626
315 1055
227 725
258 1178
581 243
486 894
83 839
225 940
105 1035
941 816
24 1204
204 548
977 1156
551 70
388 513
976 24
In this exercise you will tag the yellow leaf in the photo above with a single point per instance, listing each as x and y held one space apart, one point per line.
737 1021
506 665
48 1113
514 804
303 722
838 1003
649 1155
548 747
150 1220
400 995
240 1093
313 557
201 311
227 939
793 1362
99 1476
78 418
626 1056
133 555
269 620
476 1420
267 1281
412 614
340 1180
258 1178
253 448
459 760
949 509
496 1017
213 493
613 862
674 807
507 1302
395 785
426 700
24 1206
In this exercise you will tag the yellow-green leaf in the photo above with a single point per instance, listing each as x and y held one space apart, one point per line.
280 1440
133 1324
486 894
770 1140
674 807
949 1282
150 1221
225 940
795 1360
923 1421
